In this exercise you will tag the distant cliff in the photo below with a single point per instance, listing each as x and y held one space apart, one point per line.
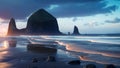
39 23
75 31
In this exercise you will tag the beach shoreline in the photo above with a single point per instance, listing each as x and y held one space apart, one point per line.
18 56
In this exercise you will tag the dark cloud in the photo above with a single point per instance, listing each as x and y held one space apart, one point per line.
20 9
116 20
86 9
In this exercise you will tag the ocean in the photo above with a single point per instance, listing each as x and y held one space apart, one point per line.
98 49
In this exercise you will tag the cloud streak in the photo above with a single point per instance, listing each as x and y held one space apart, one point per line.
116 20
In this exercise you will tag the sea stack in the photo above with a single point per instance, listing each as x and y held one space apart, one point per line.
42 23
75 31
12 29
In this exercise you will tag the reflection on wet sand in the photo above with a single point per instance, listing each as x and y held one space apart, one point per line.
6 44
42 48
5 65
84 58
3 55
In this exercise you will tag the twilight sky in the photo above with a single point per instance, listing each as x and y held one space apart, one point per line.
90 16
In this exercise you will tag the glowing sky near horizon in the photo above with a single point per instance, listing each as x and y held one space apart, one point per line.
90 16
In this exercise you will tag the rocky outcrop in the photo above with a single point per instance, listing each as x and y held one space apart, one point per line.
76 31
74 62
12 30
41 48
43 23
39 23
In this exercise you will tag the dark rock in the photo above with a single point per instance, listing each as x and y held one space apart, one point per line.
51 58
12 30
110 66
22 31
68 33
74 62
42 23
41 48
12 43
34 60
76 31
90 66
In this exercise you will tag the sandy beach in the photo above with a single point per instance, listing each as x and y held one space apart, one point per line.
20 56
24 60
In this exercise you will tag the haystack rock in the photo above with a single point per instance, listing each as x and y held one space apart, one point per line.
76 31
42 23
12 30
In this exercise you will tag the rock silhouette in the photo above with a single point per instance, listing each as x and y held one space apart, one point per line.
39 23
74 62
75 31
12 30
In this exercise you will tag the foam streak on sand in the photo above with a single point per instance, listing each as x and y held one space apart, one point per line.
89 55
78 48
72 47
106 52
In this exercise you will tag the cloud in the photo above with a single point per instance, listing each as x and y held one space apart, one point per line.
85 9
75 19
20 9
116 20
92 24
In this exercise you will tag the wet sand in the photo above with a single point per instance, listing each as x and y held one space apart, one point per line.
21 56
15 58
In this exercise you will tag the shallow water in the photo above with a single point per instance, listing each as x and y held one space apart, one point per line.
100 49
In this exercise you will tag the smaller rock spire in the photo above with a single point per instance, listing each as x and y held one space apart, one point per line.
76 31
12 27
